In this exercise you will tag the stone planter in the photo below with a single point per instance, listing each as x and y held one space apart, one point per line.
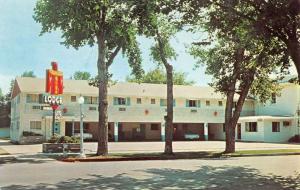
32 140
58 147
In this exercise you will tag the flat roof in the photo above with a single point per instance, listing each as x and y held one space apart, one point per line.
37 85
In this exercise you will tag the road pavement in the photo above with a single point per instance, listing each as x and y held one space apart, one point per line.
275 172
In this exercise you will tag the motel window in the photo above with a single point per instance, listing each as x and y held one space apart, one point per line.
275 126
35 125
207 102
152 101
154 127
286 123
273 98
73 98
121 101
193 103
139 100
90 100
32 98
251 127
163 102
220 103
92 108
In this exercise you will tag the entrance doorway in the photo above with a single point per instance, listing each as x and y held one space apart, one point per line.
69 129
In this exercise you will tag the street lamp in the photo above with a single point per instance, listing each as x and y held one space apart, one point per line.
81 101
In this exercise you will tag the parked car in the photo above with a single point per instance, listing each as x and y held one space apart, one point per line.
85 135
191 136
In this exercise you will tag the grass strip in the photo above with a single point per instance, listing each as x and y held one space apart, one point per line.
179 155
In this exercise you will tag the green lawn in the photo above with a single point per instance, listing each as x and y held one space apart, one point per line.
258 152
181 155
3 152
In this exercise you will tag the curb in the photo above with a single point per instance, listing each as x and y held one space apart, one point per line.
170 158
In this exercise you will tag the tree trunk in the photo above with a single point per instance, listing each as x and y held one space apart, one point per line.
229 128
103 81
230 141
231 120
169 119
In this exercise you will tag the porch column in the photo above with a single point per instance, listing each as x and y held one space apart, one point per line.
162 130
206 131
116 131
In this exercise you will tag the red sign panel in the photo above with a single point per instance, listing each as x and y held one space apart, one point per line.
54 80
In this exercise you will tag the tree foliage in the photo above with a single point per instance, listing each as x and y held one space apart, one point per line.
81 75
239 61
108 24
28 74
158 76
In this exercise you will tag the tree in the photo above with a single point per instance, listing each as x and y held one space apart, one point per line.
238 61
28 74
2 98
109 25
158 76
156 20
279 20
81 75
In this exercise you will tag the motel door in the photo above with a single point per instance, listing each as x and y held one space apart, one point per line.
239 132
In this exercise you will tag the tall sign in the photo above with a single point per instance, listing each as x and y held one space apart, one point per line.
54 88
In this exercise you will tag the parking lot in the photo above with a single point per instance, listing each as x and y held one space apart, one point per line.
178 146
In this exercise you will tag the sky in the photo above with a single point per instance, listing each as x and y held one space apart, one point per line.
23 49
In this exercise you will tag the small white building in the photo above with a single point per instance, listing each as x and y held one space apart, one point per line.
136 112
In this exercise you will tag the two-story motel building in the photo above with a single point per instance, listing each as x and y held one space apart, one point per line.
136 112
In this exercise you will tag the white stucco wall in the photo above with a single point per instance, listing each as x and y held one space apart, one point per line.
286 132
252 136
286 103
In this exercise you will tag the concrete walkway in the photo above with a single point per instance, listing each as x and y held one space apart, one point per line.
135 147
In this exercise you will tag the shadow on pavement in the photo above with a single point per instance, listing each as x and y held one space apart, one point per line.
30 159
204 178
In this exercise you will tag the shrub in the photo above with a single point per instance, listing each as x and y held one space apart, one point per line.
64 139
295 138
30 133
54 139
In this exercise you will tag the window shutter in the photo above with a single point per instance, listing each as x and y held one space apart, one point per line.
128 101
115 101
174 102
41 98
198 103
161 102
28 98
187 103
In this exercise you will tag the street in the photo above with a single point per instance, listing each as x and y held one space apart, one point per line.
273 172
